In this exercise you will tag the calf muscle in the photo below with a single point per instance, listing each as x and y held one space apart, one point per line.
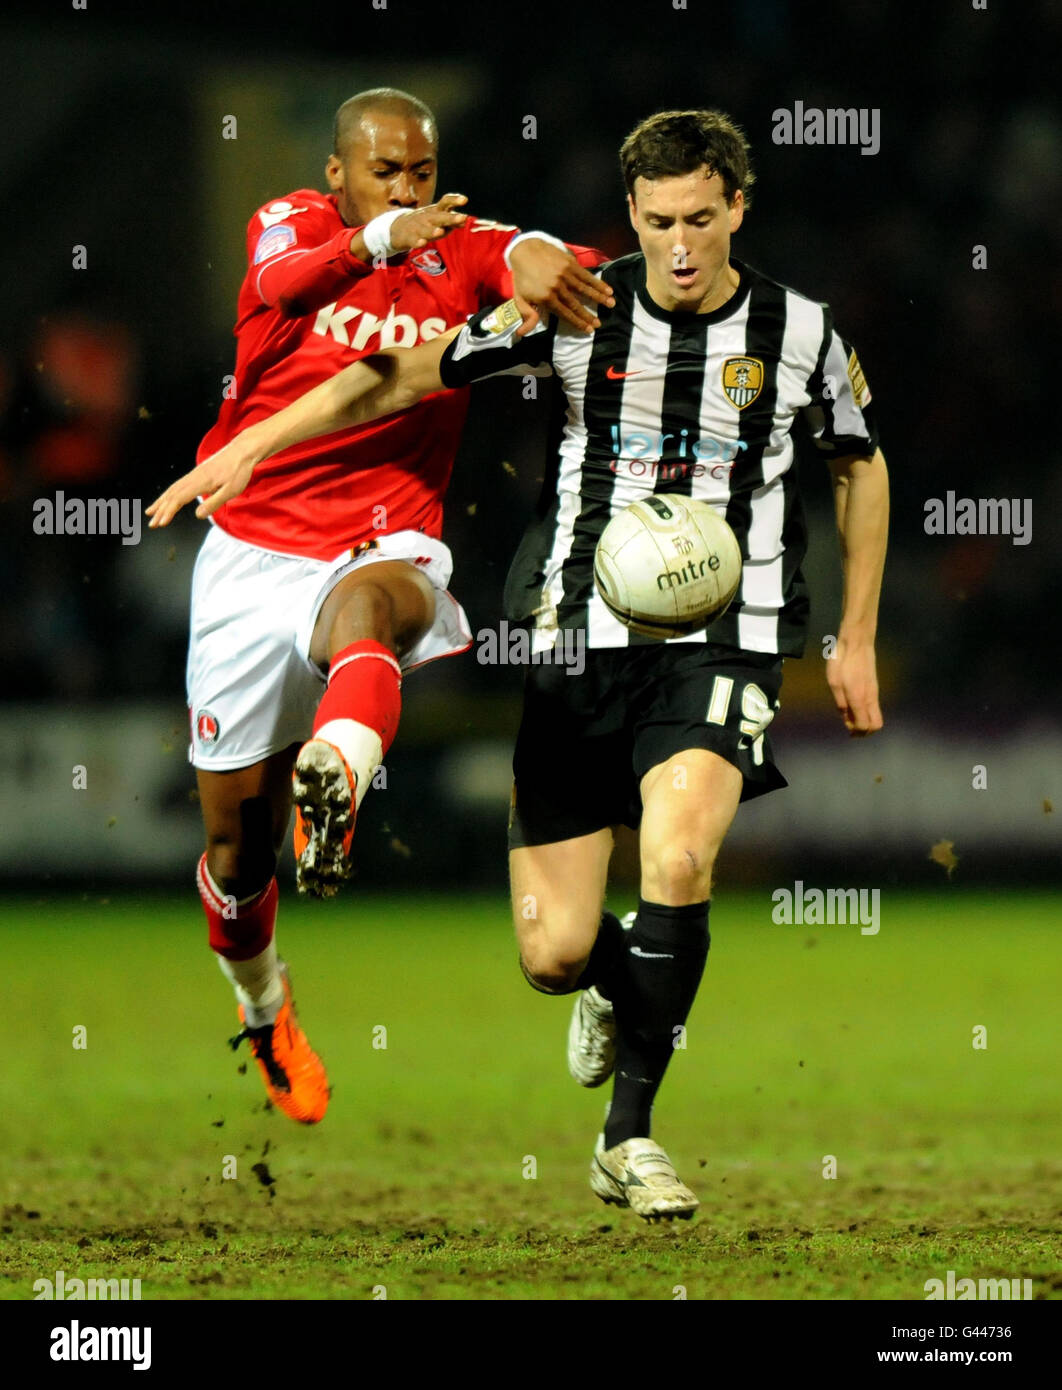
245 815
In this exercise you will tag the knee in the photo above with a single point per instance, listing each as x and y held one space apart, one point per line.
676 877
550 972
369 599
366 610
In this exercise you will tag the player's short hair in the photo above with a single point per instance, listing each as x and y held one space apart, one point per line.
385 101
680 142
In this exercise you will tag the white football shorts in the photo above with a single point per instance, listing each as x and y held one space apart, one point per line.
252 688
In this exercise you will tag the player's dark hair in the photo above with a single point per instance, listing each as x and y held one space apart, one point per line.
385 101
680 142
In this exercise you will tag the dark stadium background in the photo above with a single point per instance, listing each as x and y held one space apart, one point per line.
111 138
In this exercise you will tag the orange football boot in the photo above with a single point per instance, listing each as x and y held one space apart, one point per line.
325 807
294 1075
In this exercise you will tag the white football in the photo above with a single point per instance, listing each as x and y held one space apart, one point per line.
667 565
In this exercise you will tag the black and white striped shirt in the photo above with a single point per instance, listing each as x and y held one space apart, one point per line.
700 404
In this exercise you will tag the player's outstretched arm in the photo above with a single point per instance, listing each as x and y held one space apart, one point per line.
861 499
409 231
303 280
377 385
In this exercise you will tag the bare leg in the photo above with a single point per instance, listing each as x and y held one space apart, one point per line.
557 894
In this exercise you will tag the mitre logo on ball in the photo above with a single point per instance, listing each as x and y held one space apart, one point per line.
667 566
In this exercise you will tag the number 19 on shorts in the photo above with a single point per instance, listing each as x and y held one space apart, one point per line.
756 711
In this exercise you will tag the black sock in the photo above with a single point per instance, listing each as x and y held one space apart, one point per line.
605 957
654 992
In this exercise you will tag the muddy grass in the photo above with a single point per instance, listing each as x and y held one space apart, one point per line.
319 1236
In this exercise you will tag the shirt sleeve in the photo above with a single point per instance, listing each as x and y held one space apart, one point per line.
588 256
488 344
491 280
839 417
297 263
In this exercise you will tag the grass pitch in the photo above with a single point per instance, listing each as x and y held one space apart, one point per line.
453 1161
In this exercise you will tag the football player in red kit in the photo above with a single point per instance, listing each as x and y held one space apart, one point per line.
327 574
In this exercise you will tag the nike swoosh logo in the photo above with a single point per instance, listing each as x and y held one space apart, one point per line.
628 1179
613 375
651 955
269 219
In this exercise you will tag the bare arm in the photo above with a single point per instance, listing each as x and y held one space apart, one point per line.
379 384
861 501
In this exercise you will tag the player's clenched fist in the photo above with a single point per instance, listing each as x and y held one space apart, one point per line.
851 674
217 479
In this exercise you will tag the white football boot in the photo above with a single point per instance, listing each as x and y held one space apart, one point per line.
591 1038
592 1033
638 1174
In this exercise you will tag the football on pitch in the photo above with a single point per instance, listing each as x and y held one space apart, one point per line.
667 565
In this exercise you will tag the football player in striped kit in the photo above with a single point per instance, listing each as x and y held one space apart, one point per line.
693 383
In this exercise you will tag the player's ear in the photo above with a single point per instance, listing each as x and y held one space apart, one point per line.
334 173
630 209
737 210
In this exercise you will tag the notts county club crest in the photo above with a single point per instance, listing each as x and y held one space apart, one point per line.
742 380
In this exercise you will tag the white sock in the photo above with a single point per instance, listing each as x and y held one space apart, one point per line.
258 985
360 745
257 981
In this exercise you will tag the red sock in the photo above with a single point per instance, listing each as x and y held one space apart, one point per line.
360 710
364 684
237 932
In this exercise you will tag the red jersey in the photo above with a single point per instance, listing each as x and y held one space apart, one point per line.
307 309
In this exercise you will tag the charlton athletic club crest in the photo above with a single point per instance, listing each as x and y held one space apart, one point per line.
742 380
428 260
207 727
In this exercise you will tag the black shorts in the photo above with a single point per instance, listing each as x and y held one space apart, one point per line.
586 741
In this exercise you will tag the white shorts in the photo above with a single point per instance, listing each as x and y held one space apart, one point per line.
252 688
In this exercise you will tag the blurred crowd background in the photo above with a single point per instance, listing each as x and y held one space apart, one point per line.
111 139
